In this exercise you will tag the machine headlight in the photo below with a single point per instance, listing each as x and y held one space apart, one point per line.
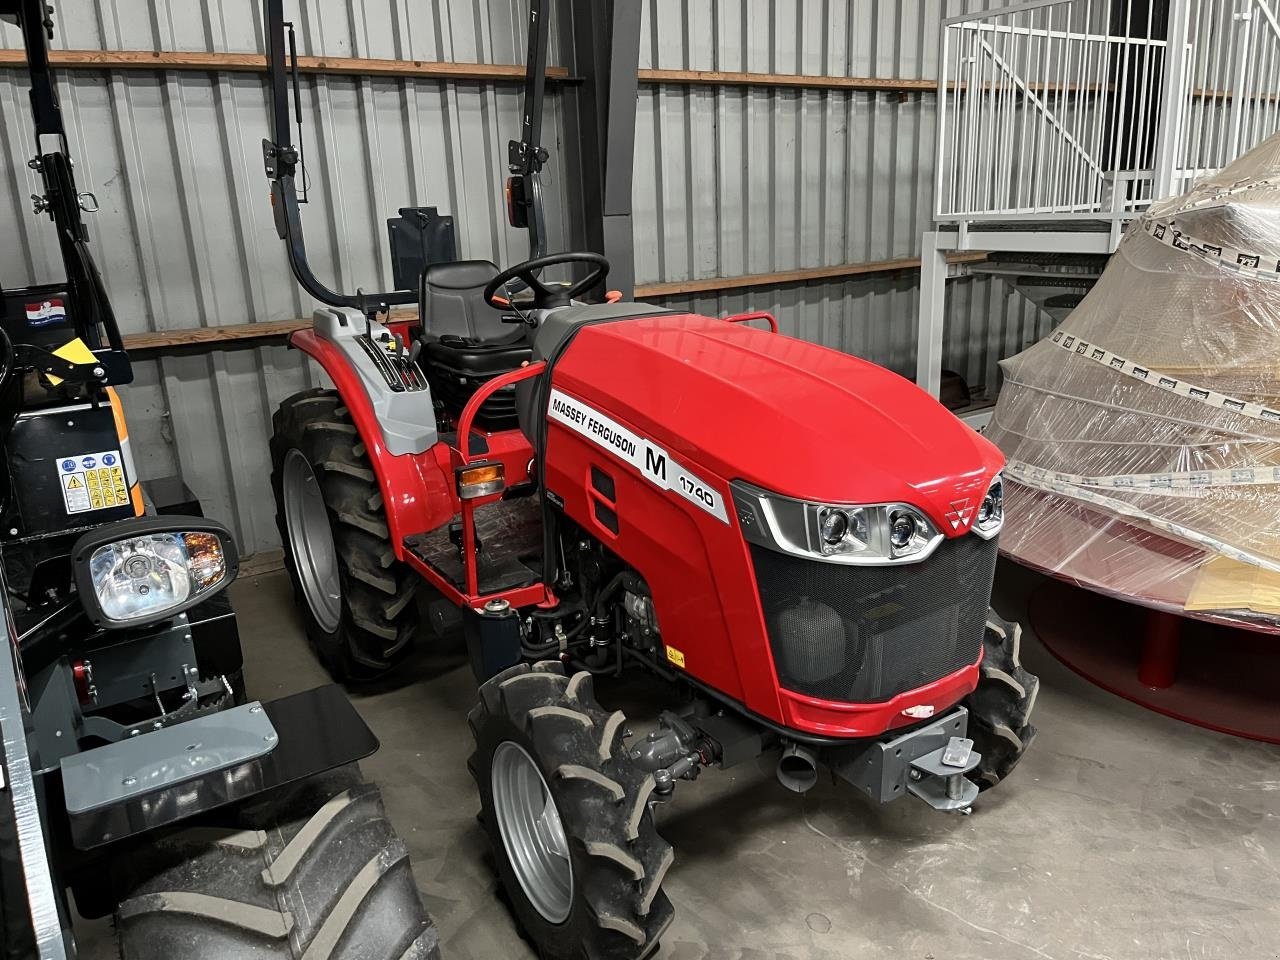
843 530
991 512
871 534
909 532
136 572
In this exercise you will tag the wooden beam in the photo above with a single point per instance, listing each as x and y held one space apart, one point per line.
203 339
843 271
257 63
232 62
727 78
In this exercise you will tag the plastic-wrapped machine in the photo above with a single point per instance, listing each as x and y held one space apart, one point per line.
1143 436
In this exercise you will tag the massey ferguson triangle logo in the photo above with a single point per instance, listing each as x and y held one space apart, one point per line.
959 514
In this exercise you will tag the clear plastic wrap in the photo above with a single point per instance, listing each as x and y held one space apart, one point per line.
1143 435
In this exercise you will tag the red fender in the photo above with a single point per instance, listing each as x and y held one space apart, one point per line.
418 490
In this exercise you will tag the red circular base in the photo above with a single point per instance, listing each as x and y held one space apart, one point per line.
1213 676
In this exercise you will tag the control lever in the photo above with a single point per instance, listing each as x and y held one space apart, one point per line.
517 318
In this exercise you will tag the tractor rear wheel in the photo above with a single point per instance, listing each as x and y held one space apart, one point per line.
567 814
1000 708
356 597
315 872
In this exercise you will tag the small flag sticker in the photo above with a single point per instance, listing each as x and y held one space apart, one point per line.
46 312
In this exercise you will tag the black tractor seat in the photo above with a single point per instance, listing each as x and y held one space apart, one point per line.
465 342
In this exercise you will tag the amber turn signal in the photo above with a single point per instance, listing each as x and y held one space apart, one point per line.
480 480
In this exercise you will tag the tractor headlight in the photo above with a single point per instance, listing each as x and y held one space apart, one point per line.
991 511
909 532
843 530
136 572
871 534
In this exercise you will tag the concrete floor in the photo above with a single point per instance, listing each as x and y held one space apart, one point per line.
1123 834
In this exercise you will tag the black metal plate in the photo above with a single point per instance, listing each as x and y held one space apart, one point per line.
35 447
318 730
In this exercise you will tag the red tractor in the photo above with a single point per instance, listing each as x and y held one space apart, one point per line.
800 543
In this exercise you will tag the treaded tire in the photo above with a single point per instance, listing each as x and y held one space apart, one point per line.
617 909
319 872
1000 708
378 625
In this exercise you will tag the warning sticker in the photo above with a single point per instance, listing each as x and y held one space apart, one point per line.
93 481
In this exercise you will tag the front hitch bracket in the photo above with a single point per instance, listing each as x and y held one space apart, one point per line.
913 763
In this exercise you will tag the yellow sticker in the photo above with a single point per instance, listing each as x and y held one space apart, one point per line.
74 351
676 657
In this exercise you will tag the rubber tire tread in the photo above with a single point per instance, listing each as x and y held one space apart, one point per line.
607 836
1000 708
389 923
379 625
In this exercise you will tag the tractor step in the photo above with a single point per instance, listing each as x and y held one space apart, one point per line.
510 536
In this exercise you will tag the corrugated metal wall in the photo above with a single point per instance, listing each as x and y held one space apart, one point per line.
729 181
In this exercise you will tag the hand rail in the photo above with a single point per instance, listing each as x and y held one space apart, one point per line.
488 389
463 457
756 315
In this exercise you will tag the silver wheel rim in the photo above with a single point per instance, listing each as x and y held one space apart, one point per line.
532 833
311 541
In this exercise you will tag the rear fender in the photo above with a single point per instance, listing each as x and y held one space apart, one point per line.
414 483
416 479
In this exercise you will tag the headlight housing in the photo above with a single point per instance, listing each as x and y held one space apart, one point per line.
990 516
870 534
137 572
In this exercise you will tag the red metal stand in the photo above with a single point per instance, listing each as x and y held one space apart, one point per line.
1214 676
1159 665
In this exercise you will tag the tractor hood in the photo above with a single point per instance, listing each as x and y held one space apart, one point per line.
789 416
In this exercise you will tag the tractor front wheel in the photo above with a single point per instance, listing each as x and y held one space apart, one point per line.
356 597
567 814
1000 708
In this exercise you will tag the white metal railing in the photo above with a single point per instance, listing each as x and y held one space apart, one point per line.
1090 109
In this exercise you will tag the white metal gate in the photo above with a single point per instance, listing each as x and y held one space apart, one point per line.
1054 110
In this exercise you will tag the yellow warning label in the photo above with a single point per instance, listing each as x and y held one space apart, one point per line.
676 657
92 481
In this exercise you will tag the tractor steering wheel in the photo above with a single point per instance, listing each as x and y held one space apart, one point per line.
547 297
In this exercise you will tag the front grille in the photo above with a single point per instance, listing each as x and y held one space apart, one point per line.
861 634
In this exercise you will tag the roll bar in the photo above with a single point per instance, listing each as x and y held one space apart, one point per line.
526 156
281 157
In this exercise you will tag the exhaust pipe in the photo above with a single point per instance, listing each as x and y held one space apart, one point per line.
797 768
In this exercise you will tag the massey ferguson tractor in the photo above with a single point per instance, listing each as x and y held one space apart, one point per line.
801 544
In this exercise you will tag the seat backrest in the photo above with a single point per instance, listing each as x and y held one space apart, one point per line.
451 301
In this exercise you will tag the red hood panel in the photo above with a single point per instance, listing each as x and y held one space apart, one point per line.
787 415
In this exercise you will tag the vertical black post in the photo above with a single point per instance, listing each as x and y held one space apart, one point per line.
36 24
600 120
1136 78
278 82
535 80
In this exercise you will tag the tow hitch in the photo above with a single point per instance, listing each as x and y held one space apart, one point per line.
929 762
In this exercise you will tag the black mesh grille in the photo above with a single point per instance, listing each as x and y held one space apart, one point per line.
866 634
